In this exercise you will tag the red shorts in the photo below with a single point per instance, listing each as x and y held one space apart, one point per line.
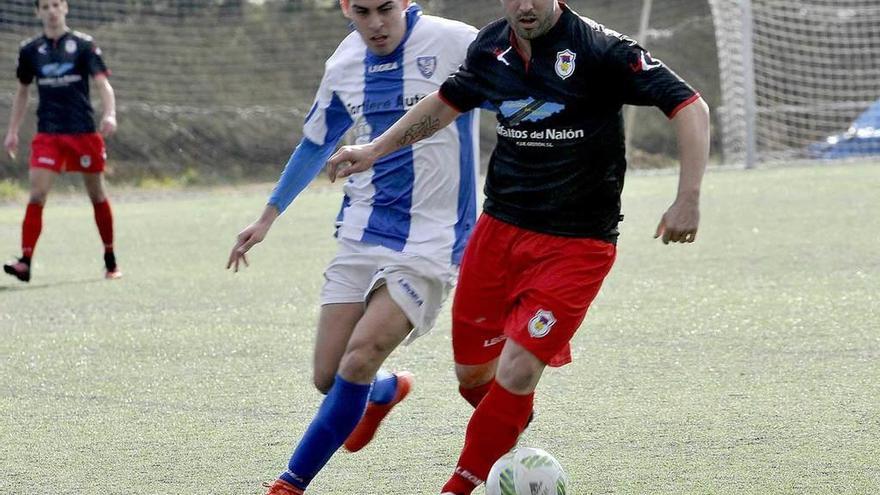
69 152
530 287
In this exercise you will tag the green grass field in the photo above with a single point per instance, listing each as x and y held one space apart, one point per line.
747 363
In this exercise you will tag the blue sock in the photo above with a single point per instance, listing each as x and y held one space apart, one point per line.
384 387
336 419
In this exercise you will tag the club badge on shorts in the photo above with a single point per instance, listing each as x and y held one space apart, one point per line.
541 323
565 63
85 161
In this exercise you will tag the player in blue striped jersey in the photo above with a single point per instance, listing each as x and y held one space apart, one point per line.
402 226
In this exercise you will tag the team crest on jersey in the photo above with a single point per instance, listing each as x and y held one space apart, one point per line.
565 63
541 323
427 66
70 46
43 49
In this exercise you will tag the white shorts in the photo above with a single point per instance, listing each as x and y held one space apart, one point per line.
418 285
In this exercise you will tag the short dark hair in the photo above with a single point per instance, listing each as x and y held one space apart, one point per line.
37 3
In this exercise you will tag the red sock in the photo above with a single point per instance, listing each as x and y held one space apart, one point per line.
492 432
31 228
475 395
104 219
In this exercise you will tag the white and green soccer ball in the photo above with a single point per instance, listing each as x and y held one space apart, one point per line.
527 471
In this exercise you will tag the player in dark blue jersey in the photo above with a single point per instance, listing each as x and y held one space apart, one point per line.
61 62
547 236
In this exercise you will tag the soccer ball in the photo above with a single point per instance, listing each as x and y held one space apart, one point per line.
527 471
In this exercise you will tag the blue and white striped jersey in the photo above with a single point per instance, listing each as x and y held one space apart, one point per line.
422 198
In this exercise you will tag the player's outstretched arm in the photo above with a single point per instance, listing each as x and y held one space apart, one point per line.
681 220
19 107
421 121
250 236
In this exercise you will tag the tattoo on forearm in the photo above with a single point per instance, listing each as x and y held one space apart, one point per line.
420 130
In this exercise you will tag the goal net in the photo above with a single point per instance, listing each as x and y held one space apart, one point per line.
796 79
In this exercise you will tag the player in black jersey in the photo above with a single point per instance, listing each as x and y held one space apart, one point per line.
61 62
547 239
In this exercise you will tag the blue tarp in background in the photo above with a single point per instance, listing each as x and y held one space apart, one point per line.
862 138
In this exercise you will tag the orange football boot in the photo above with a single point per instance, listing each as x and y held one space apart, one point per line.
375 413
281 487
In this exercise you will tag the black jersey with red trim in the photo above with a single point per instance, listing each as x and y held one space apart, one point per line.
62 68
559 164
